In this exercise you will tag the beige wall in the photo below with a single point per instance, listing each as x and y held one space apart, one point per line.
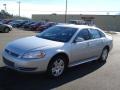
108 22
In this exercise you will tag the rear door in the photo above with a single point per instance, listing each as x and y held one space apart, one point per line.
96 43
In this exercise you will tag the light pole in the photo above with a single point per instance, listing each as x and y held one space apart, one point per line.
19 7
66 11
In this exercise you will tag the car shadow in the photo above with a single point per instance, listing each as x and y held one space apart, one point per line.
12 80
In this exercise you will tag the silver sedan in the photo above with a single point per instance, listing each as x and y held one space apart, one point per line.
57 48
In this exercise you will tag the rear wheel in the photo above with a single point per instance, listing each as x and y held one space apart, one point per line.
57 66
104 55
6 30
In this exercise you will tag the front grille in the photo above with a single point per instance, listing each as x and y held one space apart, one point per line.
7 62
11 53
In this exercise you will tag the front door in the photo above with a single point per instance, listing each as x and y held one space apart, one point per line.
80 50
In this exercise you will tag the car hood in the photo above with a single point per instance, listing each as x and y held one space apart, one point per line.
23 45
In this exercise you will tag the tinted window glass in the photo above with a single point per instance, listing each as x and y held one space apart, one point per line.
102 34
58 33
94 34
84 34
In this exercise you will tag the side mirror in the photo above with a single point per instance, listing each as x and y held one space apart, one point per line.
79 39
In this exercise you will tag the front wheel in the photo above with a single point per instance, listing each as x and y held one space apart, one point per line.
57 66
6 30
104 55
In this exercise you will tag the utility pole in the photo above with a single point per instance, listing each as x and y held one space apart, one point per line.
5 7
19 7
66 7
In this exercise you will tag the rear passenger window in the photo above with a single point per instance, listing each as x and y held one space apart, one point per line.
102 34
94 34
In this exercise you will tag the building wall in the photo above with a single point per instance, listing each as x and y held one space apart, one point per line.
107 22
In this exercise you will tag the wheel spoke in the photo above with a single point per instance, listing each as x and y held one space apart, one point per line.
58 67
57 73
53 69
56 63
61 63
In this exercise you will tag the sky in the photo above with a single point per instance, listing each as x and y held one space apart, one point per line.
29 7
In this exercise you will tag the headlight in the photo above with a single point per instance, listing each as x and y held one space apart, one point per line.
34 55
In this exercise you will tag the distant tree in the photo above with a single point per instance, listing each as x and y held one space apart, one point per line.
5 15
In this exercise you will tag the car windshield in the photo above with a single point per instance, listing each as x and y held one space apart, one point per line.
58 33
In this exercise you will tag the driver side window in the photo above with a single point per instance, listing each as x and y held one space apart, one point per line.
84 34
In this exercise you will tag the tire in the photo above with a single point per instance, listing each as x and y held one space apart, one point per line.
56 67
104 55
6 30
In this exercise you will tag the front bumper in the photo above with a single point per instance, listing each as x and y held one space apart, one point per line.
32 65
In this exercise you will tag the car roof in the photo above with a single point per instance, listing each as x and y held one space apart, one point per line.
77 26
